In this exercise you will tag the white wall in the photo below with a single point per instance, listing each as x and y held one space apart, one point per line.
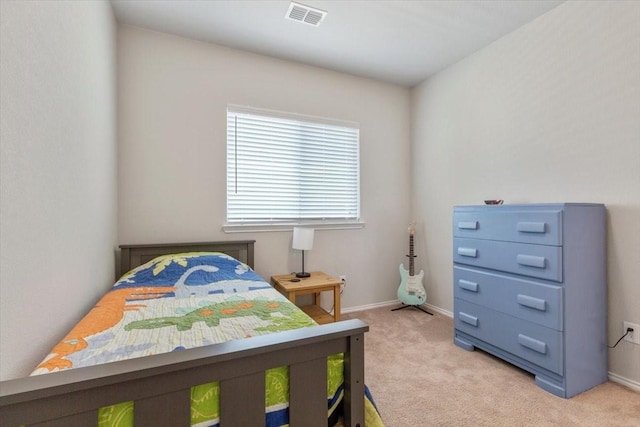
173 93
58 172
549 113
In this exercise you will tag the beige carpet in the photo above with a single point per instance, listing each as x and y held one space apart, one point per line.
418 377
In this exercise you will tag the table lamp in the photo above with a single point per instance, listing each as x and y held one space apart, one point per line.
302 240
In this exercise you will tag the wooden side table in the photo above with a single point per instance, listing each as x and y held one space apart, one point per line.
317 283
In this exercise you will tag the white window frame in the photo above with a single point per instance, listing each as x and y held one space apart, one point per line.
235 144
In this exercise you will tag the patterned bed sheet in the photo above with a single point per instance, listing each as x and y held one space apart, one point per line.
181 301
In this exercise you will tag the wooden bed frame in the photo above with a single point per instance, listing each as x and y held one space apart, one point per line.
160 385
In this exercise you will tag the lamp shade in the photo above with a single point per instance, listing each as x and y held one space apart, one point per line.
302 238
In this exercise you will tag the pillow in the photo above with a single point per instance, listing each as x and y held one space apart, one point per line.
192 268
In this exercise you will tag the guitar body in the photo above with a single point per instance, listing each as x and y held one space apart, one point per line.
411 291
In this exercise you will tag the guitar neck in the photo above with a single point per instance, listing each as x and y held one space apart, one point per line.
411 256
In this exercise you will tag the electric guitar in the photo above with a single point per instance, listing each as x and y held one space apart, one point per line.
411 291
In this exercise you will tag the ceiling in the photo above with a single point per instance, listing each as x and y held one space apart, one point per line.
400 42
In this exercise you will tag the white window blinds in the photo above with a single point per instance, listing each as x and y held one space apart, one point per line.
290 169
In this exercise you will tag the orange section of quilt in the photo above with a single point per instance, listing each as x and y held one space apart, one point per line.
105 314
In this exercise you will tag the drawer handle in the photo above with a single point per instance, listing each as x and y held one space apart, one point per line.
467 318
531 227
531 260
469 286
532 302
532 344
470 252
468 225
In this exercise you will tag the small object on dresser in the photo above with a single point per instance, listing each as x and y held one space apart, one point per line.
493 202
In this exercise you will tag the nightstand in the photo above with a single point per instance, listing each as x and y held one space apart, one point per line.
317 283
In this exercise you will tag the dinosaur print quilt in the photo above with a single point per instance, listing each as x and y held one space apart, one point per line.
182 301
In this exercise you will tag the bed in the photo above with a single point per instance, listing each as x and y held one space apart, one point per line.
246 332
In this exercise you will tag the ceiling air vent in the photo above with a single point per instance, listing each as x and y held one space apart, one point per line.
308 15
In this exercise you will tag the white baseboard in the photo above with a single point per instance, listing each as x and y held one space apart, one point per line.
633 385
395 302
439 310
367 307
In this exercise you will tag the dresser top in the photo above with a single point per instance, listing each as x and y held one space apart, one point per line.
529 206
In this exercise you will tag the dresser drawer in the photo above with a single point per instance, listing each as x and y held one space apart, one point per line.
525 299
532 342
540 261
506 224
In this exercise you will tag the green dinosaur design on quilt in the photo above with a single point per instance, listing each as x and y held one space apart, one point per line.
211 315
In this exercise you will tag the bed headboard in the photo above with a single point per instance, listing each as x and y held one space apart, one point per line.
134 255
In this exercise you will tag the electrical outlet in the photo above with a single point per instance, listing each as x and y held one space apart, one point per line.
634 336
343 279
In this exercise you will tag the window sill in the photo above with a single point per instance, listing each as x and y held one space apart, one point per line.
256 228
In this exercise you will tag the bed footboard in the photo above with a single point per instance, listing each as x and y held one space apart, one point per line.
160 385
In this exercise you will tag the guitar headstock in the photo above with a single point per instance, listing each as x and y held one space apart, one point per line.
412 228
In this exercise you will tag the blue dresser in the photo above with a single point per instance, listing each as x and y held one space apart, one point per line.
530 287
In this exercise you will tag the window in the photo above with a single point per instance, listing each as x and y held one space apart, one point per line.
285 169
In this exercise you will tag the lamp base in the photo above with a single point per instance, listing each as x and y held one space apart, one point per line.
303 274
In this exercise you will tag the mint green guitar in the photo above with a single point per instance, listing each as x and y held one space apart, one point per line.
411 291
